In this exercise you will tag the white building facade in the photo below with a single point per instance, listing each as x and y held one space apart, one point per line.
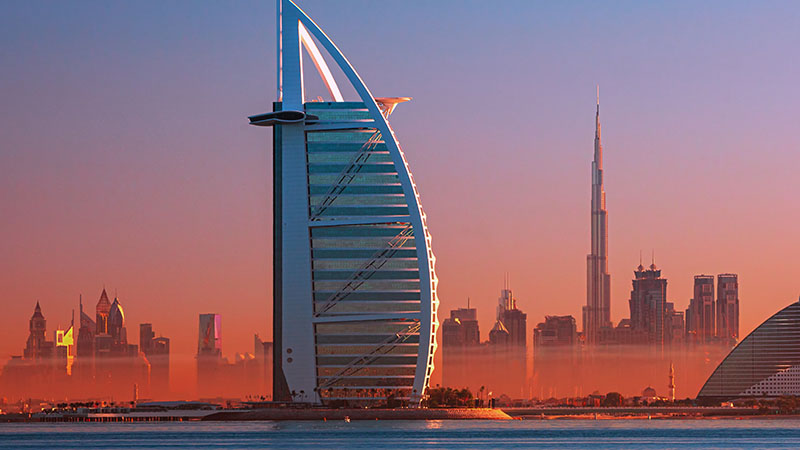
354 281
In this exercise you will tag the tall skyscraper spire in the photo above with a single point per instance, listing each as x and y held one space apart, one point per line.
597 312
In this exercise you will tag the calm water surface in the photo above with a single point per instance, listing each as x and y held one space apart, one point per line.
378 435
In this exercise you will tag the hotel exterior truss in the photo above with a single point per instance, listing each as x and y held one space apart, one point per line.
765 364
354 281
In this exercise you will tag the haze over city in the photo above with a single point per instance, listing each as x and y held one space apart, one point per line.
126 161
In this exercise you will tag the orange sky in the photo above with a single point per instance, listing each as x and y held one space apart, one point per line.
126 161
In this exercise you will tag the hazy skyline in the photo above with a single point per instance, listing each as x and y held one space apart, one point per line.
126 159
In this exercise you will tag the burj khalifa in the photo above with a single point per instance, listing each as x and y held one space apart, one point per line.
597 312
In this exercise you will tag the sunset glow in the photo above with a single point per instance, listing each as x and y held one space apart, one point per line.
127 164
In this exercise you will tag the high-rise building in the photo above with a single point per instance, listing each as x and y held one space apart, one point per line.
728 308
675 325
514 320
116 324
555 331
209 339
83 367
264 352
65 347
461 328
555 355
648 304
209 355
36 371
37 346
597 312
700 314
86 332
460 339
158 356
508 345
156 349
354 280
102 309
499 335
146 336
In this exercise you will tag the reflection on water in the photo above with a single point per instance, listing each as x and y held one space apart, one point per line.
434 424
377 435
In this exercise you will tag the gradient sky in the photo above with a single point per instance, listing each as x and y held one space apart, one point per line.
126 159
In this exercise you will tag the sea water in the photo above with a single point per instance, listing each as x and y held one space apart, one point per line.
754 433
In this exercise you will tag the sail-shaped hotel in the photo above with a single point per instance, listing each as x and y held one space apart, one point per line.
354 281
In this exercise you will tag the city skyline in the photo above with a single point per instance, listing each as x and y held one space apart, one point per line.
168 255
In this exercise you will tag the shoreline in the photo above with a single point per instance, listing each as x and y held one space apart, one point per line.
359 414
322 414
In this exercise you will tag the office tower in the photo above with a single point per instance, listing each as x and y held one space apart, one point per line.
116 324
86 331
508 342
34 373
503 364
37 346
354 278
462 327
209 355
83 366
700 314
499 335
102 309
648 304
209 341
555 331
460 341
675 325
597 312
65 348
728 308
156 349
513 319
146 336
158 356
264 352
555 355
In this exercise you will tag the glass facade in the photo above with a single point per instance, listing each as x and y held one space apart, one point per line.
765 363
365 268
